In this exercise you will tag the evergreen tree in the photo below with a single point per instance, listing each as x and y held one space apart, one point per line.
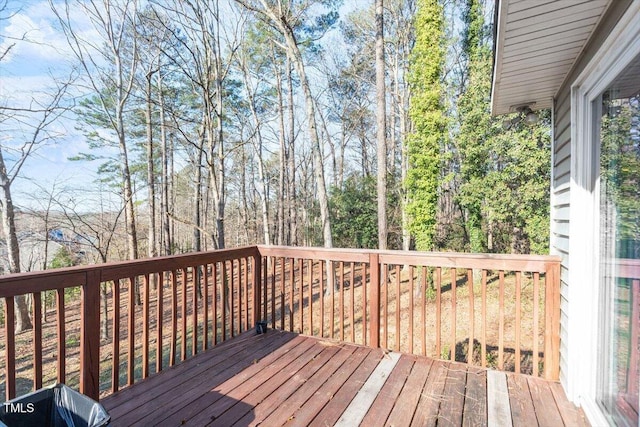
429 123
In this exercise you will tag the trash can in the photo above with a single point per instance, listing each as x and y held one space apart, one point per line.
55 406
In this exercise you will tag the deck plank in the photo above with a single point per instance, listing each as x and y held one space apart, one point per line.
334 409
571 415
194 377
405 405
141 389
452 405
369 392
522 410
282 393
304 415
259 393
281 378
426 413
498 407
545 406
238 387
301 395
475 398
386 398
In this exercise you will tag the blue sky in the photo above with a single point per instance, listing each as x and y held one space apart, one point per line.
38 56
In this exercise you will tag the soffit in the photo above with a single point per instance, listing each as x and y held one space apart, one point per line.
537 43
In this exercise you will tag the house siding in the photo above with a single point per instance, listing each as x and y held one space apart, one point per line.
561 170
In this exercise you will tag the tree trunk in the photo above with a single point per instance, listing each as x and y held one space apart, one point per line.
7 211
151 250
293 223
166 229
294 52
381 125
281 157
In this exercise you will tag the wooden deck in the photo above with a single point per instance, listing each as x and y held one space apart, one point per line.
281 378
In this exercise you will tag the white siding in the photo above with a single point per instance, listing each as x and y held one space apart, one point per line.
561 174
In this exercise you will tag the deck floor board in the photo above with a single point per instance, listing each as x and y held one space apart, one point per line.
281 378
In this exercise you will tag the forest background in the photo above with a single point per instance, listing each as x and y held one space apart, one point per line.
211 123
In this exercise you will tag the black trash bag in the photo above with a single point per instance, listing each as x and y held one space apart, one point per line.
56 406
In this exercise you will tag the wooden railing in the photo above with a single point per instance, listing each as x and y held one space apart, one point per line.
160 311
500 311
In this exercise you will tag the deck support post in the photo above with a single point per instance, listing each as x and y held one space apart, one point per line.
374 300
552 322
90 336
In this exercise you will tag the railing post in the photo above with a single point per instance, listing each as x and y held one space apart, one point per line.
257 277
374 300
552 321
90 336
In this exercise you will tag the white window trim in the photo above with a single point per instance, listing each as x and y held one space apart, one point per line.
585 307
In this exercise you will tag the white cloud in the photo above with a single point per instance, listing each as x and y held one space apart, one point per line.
33 35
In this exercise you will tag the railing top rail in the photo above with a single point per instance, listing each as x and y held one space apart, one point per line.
45 280
22 283
516 262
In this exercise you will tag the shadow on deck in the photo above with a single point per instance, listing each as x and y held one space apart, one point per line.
282 378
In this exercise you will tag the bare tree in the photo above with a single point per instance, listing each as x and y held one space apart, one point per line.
109 66
381 126
283 18
35 121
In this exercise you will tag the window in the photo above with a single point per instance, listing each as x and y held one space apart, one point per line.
619 140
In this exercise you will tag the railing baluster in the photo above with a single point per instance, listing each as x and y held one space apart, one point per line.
235 291
501 322
115 367
183 318
301 296
160 319
230 296
131 332
37 340
174 317
483 344
472 316
352 285
247 325
145 328
61 335
291 293
384 299
423 310
518 319
283 291
438 284
536 324
454 314
10 348
341 300
205 307
224 292
214 301
411 291
364 303
195 280
272 262
321 265
331 289
398 307
257 271
374 299
310 270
